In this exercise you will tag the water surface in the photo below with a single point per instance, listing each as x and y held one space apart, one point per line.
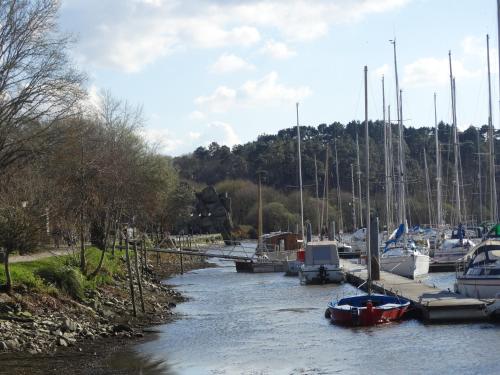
240 323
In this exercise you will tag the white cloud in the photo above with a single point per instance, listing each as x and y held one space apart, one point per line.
222 133
474 49
196 116
266 91
382 71
94 99
194 135
229 63
220 101
130 34
431 72
277 50
162 139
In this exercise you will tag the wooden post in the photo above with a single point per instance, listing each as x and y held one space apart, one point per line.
374 247
139 281
144 251
129 269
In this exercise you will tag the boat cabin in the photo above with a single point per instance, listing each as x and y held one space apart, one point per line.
319 253
280 241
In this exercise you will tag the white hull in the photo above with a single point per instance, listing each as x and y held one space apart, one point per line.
477 287
321 274
411 265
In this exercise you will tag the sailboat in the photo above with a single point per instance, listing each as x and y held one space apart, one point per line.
368 309
401 256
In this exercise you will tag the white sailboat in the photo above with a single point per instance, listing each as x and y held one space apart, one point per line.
400 256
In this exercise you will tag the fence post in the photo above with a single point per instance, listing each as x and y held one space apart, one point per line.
129 269
139 276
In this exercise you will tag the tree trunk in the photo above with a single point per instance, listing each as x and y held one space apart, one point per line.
139 276
82 245
8 280
107 223
129 269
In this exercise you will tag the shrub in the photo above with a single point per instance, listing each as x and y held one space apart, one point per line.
67 279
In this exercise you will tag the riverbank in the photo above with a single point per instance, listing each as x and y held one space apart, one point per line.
51 329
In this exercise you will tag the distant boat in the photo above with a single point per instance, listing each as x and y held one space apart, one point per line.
366 310
321 264
454 248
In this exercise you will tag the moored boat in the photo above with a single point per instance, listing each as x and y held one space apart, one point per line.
366 310
321 264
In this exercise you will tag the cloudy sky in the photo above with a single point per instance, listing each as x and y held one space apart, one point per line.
229 70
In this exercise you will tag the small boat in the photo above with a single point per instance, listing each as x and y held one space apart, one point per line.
321 264
457 246
481 272
366 310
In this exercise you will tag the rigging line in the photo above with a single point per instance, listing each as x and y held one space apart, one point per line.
359 98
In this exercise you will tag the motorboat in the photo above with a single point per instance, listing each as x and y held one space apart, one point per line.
321 264
366 310
480 277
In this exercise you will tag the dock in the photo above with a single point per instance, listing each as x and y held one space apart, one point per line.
429 303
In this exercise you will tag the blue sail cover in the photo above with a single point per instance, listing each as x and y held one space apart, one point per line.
395 236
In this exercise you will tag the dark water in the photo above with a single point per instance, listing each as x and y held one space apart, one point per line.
270 324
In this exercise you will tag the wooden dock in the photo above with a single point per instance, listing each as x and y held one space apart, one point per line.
431 304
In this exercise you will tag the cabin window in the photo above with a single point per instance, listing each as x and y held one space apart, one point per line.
480 258
494 255
494 271
474 271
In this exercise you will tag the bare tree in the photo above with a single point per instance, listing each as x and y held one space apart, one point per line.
38 85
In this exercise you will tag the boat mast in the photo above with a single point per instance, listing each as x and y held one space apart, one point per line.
427 187
367 178
491 136
317 194
339 198
438 169
327 187
401 217
386 164
391 164
402 164
479 178
260 224
358 166
455 142
354 221
300 176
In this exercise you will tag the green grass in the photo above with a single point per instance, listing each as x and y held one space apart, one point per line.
61 274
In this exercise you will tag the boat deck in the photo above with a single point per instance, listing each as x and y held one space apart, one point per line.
432 303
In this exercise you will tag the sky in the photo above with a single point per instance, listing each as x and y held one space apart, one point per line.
230 70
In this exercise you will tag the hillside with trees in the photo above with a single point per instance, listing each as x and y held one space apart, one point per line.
234 170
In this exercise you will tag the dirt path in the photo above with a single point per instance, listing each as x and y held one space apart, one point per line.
42 255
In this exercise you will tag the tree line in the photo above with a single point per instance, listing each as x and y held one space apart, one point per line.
276 154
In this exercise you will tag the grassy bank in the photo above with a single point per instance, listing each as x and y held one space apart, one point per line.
61 274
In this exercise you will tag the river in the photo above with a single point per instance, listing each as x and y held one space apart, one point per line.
236 323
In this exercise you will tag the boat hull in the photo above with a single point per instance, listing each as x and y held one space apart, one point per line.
478 287
367 310
411 266
321 274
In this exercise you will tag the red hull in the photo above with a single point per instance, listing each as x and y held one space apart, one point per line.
366 317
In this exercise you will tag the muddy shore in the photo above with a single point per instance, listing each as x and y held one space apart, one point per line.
47 335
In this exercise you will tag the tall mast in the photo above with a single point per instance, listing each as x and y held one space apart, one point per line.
438 169
491 136
354 221
317 194
455 142
300 176
479 177
401 161
367 178
259 224
427 187
401 214
358 167
386 163
391 163
327 188
339 198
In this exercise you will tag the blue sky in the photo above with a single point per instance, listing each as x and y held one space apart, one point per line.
227 71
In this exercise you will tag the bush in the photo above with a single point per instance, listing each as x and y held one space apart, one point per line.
67 279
